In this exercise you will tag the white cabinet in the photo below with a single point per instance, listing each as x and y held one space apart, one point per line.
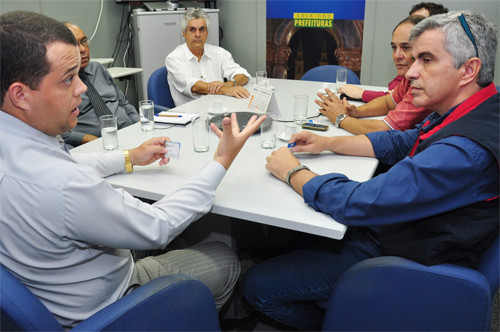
158 33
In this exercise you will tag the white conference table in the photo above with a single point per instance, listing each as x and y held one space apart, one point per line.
123 72
248 191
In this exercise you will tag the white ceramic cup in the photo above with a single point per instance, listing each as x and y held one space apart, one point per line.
217 106
290 129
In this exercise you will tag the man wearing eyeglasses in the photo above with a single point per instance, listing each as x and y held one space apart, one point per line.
437 204
112 100
196 68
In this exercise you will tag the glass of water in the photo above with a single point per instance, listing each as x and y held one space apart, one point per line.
268 131
341 78
109 132
147 113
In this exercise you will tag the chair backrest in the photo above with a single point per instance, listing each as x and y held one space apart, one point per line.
489 265
169 303
159 90
328 73
396 294
21 310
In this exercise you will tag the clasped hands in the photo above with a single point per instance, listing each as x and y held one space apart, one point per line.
228 89
331 106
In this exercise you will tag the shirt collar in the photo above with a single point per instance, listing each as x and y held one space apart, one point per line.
191 56
23 130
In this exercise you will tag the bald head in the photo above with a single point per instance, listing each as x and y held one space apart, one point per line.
83 43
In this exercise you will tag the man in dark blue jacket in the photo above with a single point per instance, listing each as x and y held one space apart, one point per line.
437 204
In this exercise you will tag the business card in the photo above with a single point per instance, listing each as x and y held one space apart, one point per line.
173 149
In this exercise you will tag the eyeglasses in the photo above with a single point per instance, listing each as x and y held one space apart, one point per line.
84 42
462 20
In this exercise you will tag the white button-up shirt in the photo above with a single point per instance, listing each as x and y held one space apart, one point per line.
66 232
184 70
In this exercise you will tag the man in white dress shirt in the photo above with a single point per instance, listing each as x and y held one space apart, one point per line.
66 232
196 68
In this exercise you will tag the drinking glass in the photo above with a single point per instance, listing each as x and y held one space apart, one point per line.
147 113
201 137
109 132
268 131
341 78
300 109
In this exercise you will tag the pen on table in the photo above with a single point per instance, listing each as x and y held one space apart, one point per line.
171 115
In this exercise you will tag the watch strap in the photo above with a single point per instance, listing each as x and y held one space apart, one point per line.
128 163
339 119
293 171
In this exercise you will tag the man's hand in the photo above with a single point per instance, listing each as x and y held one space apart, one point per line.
236 91
331 105
231 139
352 91
279 162
214 87
88 137
308 142
149 151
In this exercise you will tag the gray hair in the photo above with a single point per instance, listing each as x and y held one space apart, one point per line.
192 14
458 44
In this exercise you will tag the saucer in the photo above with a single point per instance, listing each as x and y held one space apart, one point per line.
322 91
283 137
224 110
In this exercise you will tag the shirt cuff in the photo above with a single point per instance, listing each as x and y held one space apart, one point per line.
369 95
389 123
213 173
310 189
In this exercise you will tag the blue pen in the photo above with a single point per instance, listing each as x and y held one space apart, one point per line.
291 145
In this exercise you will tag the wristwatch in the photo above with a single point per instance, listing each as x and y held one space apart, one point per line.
293 171
339 119
128 163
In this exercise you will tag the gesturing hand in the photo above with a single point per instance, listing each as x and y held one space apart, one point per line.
231 139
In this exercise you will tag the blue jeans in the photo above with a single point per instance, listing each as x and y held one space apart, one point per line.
288 288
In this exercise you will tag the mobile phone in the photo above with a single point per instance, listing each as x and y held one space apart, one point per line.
315 126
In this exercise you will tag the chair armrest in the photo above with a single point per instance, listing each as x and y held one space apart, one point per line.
393 293
170 303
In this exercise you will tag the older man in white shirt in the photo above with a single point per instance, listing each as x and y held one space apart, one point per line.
196 68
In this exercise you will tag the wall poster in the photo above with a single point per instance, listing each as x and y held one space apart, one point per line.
305 34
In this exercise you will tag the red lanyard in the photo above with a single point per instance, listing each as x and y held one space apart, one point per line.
465 107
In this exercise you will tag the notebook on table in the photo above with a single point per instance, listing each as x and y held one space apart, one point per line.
175 117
